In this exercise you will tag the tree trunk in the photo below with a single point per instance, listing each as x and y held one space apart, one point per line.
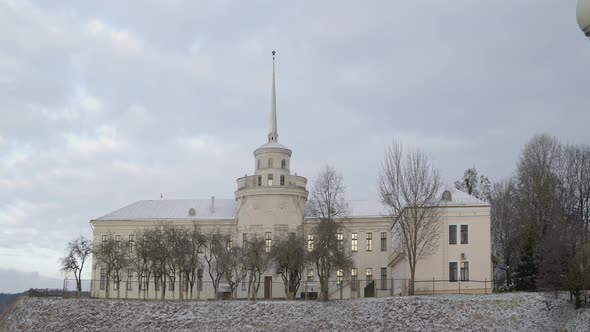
412 278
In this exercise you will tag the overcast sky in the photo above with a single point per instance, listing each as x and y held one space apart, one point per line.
106 103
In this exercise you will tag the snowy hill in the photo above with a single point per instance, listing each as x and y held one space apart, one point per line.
504 312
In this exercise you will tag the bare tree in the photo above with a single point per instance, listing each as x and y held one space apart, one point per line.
141 262
409 187
256 261
290 258
196 244
505 243
113 256
327 207
78 251
235 268
217 258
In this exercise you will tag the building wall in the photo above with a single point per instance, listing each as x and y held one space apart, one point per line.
477 252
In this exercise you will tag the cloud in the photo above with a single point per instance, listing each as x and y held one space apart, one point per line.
104 139
105 104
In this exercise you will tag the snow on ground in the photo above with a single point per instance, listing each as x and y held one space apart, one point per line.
500 312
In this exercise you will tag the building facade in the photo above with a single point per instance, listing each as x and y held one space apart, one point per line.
273 200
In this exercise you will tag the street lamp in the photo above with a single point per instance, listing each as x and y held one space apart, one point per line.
583 15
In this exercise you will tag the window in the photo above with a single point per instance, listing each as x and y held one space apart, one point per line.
131 238
157 279
282 180
129 279
283 164
244 239
383 241
355 242
230 242
258 164
183 283
339 277
310 275
116 283
446 196
383 278
104 239
259 180
340 239
103 278
118 240
268 241
353 278
143 284
369 241
369 275
171 283
192 212
464 271
270 163
464 234
452 234
309 242
452 271
270 179
200 280
244 281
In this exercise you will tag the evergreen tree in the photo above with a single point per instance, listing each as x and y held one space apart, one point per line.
527 269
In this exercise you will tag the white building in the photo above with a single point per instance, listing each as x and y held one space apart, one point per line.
273 200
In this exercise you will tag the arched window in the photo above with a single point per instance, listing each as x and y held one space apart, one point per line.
270 163
283 164
446 196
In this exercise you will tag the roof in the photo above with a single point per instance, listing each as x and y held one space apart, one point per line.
459 198
365 209
273 145
226 208
163 209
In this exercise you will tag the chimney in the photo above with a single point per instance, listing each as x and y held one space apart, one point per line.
212 204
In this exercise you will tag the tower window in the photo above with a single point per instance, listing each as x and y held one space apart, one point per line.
282 180
259 180
283 164
258 164
270 179
270 163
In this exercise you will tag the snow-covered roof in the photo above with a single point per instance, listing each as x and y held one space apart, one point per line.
226 208
164 209
365 209
459 198
273 145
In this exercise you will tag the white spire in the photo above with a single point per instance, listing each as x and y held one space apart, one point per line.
273 135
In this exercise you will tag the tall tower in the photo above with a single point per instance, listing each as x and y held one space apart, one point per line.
271 200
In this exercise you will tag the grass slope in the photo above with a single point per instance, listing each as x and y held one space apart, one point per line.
503 312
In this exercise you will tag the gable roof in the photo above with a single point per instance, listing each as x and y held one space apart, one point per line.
226 208
163 209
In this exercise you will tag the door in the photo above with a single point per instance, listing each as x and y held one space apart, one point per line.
267 287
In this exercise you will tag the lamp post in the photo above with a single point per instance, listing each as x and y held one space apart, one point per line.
583 16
